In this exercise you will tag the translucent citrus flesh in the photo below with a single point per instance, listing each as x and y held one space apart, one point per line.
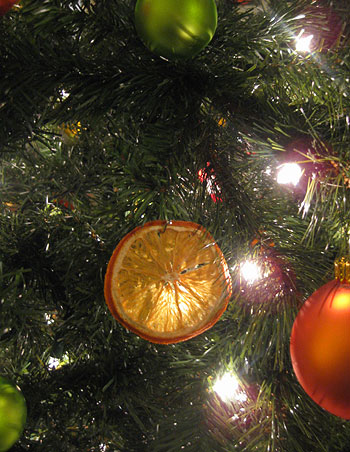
168 283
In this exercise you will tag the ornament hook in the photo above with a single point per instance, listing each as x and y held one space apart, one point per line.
342 270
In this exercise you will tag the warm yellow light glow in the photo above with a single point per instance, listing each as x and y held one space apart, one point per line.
250 271
341 300
289 173
303 43
228 389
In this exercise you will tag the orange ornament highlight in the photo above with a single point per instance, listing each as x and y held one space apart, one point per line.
167 281
320 347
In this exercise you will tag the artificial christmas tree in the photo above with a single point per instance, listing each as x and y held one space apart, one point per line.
144 127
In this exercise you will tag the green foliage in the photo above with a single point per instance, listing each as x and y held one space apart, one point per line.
98 136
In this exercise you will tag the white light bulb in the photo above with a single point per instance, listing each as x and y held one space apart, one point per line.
48 319
250 271
210 185
228 389
53 362
303 43
64 94
289 173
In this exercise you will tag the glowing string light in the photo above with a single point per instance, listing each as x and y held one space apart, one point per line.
227 387
250 271
303 43
289 173
49 319
55 363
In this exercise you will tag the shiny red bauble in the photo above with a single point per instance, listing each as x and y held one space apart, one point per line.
324 24
320 347
6 5
313 159
239 417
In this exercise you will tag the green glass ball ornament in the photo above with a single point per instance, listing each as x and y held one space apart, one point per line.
13 414
175 29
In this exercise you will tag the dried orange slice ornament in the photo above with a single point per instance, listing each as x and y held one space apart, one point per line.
167 281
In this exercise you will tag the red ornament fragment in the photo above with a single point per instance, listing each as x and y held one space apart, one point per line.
324 25
207 175
276 282
312 158
320 347
6 5
237 416
62 202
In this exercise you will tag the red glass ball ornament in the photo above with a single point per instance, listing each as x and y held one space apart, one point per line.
320 347
275 283
313 159
237 416
6 5
324 24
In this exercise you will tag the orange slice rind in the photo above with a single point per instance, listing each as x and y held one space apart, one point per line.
167 281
